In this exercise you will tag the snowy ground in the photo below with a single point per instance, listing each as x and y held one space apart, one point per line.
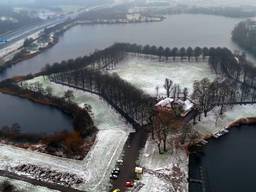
99 162
209 125
26 187
163 164
147 74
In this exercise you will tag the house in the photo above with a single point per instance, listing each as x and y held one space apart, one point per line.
169 104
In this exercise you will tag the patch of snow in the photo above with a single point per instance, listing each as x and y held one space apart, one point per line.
147 74
214 123
151 159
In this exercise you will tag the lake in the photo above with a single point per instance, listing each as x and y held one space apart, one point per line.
32 117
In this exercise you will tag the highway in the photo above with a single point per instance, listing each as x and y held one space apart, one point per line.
25 31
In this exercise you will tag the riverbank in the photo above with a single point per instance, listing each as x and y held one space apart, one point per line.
215 123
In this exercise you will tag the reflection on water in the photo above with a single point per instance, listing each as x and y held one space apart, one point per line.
33 118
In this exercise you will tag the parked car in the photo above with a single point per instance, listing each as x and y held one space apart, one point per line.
117 168
113 176
116 190
120 161
129 184
115 172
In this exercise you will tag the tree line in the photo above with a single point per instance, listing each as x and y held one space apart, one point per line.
100 59
108 58
129 100
164 54
233 66
244 34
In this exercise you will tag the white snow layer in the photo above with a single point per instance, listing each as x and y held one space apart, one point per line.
214 123
147 74
151 159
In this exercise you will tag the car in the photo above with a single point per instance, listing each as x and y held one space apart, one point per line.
120 161
115 172
117 169
116 190
113 176
129 184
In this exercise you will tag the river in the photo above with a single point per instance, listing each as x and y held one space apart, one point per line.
178 30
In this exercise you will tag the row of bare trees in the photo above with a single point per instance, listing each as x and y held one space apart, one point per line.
236 67
119 93
208 94
103 59
166 53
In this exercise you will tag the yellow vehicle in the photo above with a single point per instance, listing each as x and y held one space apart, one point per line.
116 190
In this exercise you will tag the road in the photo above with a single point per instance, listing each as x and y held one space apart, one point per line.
25 31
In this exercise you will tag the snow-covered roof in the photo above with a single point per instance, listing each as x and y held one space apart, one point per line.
237 59
188 105
166 103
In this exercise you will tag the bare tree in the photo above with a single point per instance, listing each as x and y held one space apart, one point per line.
68 95
168 84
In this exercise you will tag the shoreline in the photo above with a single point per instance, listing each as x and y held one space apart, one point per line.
10 63
87 139
222 127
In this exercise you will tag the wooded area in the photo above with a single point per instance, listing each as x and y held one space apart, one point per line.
244 34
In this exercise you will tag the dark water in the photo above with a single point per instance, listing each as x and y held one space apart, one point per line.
33 118
177 30
228 161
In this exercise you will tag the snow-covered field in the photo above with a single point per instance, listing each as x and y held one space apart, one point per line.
213 123
25 187
164 164
99 162
147 74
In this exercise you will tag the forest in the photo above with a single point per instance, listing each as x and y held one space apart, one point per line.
244 34
124 97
